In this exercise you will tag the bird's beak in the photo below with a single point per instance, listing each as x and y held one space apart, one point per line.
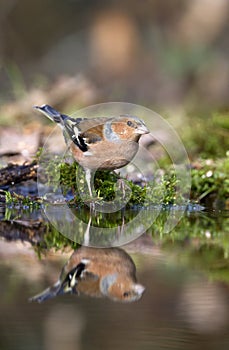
139 289
142 130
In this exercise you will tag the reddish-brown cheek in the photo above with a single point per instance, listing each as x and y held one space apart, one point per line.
115 291
122 130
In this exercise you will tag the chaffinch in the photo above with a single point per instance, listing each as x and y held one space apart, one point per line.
97 273
105 143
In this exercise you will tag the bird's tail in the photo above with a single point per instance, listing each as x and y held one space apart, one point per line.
68 125
51 113
57 289
65 285
48 293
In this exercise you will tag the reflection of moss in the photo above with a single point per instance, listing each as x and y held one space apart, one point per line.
194 232
210 258
12 198
53 239
200 240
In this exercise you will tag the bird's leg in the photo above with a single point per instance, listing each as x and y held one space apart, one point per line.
87 233
88 180
121 228
123 187
116 174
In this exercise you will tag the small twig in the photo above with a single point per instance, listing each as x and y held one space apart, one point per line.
9 154
14 173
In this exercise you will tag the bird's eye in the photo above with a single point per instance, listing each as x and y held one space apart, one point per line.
126 294
130 123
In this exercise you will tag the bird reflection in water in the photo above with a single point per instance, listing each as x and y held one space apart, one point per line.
97 272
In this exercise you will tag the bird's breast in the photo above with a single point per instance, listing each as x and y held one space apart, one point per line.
106 155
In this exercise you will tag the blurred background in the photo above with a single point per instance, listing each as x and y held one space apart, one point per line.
157 53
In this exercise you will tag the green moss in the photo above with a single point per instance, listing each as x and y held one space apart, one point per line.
12 198
108 186
209 184
211 178
206 135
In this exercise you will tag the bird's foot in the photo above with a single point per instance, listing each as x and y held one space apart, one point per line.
93 203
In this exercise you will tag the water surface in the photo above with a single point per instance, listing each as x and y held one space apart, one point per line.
185 304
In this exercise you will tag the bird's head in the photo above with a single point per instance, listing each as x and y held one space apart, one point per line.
121 288
128 127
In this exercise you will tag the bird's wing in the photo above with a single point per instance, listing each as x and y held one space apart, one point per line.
66 284
84 132
72 128
71 279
